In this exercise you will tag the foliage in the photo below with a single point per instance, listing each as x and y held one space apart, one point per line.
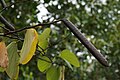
71 58
29 46
13 67
98 20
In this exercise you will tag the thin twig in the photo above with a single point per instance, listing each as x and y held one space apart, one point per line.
39 52
41 49
12 37
5 28
7 24
3 3
5 8
57 42
50 61
19 30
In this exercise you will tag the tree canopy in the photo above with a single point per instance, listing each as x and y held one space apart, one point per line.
58 53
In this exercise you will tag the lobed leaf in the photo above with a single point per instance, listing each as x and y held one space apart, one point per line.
43 63
53 73
29 46
13 67
2 69
70 57
43 39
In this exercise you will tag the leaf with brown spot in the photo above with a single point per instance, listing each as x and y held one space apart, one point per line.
3 55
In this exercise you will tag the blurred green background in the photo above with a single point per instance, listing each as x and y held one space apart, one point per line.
98 20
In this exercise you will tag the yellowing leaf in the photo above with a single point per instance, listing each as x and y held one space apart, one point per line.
29 46
3 55
43 39
70 57
13 68
43 63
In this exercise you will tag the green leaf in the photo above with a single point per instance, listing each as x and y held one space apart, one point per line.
43 39
43 63
29 46
13 67
2 69
70 57
53 73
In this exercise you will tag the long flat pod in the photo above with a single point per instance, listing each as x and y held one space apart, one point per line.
85 42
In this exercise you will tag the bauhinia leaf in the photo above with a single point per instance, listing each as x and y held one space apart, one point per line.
29 46
2 69
3 55
53 73
43 39
70 57
43 63
13 68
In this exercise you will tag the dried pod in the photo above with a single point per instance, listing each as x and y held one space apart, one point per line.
85 42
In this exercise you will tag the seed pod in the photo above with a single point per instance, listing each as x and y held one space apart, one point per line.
85 42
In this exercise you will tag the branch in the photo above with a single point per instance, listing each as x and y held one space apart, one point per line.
41 49
85 42
4 28
5 8
50 61
12 37
3 3
3 20
57 42
6 23
77 33
19 30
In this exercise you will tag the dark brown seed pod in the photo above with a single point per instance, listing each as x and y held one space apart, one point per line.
86 43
